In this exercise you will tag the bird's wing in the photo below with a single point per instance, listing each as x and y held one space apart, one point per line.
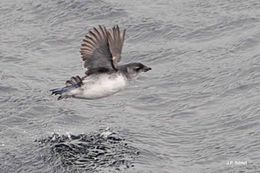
102 47
95 49
116 41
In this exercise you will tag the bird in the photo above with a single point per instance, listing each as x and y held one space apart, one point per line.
101 51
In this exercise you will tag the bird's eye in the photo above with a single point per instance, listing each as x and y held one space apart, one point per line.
137 68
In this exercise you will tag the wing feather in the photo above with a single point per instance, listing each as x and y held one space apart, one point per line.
116 41
102 48
95 49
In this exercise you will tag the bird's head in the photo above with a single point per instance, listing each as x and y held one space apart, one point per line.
133 69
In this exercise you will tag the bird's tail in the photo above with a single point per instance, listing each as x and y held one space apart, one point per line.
74 82
61 92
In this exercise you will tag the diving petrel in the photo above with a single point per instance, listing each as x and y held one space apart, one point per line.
101 51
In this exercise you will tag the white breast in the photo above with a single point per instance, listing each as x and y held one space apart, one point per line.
98 86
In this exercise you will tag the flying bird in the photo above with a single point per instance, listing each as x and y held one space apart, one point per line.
101 52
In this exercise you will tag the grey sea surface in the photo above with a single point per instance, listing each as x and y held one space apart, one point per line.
198 110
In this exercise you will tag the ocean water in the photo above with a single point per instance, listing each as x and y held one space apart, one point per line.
198 110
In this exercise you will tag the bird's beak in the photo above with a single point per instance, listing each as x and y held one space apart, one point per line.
147 69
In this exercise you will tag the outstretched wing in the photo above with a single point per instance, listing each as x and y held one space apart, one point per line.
102 48
116 41
95 49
